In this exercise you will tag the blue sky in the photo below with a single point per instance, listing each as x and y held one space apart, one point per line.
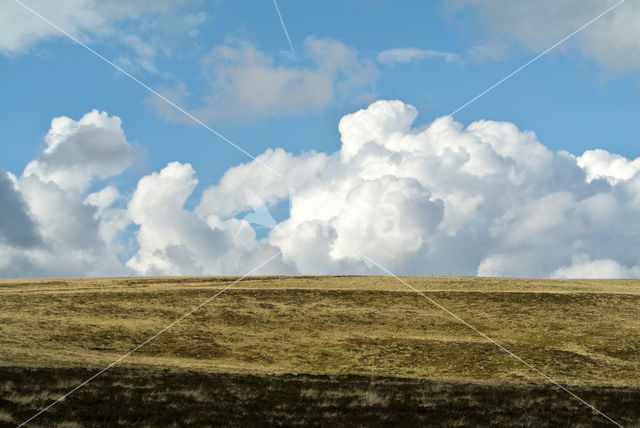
564 97
579 97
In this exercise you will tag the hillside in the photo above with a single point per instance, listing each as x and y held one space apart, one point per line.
330 332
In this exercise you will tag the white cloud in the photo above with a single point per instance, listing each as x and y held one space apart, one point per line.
79 151
247 83
167 232
609 166
583 267
176 241
73 241
75 236
486 199
611 41
228 198
112 219
104 198
405 55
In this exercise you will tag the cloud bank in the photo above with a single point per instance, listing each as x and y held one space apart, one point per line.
486 199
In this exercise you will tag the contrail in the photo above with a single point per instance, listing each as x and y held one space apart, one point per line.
284 27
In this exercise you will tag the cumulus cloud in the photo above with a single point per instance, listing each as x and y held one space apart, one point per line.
79 151
111 218
167 231
74 235
244 82
609 166
228 198
406 55
483 199
176 241
488 199
611 41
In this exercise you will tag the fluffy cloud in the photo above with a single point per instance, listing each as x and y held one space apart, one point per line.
609 166
611 41
247 83
111 218
229 198
176 241
170 238
404 55
79 151
74 235
486 199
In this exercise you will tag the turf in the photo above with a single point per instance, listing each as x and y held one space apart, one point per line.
274 329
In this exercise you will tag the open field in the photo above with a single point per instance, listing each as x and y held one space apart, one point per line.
346 349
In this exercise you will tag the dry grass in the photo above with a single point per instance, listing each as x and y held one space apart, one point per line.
579 332
325 350
433 283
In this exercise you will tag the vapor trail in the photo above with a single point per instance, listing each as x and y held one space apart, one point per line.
284 28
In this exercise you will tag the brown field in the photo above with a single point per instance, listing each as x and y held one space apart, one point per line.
345 350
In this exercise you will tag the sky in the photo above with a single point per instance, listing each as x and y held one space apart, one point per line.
316 137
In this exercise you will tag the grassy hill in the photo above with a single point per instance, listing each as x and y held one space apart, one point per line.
357 350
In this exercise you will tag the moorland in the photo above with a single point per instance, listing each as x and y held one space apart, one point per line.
320 350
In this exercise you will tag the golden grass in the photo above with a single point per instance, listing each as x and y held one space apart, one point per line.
576 331
434 283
